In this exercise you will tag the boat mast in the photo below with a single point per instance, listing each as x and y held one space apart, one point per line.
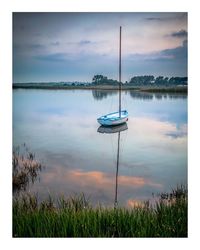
120 84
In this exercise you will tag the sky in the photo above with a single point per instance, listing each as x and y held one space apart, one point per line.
76 46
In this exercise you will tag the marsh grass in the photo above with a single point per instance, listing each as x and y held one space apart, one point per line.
25 168
75 217
167 89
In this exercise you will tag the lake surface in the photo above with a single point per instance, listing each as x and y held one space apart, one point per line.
60 127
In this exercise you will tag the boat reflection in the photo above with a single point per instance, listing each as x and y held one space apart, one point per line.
110 130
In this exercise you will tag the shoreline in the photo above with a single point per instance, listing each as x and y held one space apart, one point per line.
161 89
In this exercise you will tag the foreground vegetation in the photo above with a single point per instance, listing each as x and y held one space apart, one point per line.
25 168
75 217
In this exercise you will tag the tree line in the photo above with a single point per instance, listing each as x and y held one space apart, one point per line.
100 79
142 80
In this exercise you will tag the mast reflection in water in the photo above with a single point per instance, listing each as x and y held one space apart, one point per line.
111 130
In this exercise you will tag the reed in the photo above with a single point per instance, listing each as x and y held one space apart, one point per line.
25 168
75 217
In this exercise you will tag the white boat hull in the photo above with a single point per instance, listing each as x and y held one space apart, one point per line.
113 119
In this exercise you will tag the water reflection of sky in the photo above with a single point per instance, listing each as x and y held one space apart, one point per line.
61 128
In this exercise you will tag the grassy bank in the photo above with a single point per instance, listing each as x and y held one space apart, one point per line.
161 89
165 89
75 217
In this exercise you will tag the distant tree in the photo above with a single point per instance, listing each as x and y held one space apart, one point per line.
159 80
100 79
166 80
97 79
178 80
142 80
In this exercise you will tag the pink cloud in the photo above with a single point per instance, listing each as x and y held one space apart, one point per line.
96 179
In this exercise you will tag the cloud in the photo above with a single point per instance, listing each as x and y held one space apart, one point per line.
154 19
155 131
176 135
97 184
185 43
98 179
81 39
177 53
167 16
29 47
179 34
57 57
83 42
133 203
55 43
179 133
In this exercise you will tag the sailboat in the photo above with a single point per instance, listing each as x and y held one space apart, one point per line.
121 116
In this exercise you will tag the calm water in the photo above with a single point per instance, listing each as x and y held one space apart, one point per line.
60 127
